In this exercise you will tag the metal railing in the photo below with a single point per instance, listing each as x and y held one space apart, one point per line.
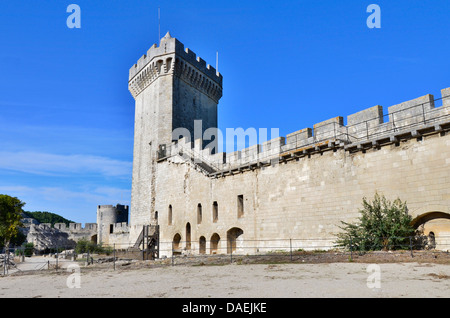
413 118
203 252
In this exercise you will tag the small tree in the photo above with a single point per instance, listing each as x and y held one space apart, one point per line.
382 225
10 218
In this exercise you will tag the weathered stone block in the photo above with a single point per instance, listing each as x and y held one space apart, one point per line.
412 112
445 97
327 129
361 124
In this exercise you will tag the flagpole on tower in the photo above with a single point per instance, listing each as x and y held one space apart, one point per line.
159 23
217 61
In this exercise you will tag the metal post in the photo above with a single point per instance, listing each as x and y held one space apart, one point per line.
172 253
114 255
410 246
57 256
290 247
351 249
231 253
143 242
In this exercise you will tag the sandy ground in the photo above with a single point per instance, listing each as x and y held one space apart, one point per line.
335 280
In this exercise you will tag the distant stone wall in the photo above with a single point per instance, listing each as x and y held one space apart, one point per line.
45 236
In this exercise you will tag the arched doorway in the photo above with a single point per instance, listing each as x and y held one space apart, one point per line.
435 228
214 243
176 244
202 245
233 235
188 236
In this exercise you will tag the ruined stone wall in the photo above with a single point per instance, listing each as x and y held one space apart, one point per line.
45 236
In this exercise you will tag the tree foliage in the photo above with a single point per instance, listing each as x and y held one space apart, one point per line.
10 218
383 225
48 217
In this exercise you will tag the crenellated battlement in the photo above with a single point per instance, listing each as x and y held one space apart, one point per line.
365 129
73 227
171 58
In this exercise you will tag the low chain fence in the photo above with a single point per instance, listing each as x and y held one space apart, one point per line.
119 256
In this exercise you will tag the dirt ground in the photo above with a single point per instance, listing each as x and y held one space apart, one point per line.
379 275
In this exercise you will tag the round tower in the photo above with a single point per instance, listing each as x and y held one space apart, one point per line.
107 216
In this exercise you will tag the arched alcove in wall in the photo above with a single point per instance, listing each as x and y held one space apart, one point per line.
435 226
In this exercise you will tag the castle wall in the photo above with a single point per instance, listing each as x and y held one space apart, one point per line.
296 187
302 199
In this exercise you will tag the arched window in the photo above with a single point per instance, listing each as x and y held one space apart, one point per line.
199 213
202 245
188 236
214 243
169 215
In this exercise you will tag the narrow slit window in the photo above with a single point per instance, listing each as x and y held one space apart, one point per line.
240 205
215 212
199 213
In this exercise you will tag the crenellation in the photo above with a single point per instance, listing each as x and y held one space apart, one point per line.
233 157
361 123
364 126
60 226
121 227
170 46
411 112
328 129
219 158
250 154
445 93
198 145
272 147
299 138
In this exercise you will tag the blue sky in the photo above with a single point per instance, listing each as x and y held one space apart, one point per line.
66 116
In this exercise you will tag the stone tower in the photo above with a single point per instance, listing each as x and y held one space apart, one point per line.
172 89
107 217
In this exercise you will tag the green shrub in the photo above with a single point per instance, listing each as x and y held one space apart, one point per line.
85 246
383 225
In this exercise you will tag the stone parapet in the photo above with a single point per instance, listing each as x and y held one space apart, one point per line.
366 126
